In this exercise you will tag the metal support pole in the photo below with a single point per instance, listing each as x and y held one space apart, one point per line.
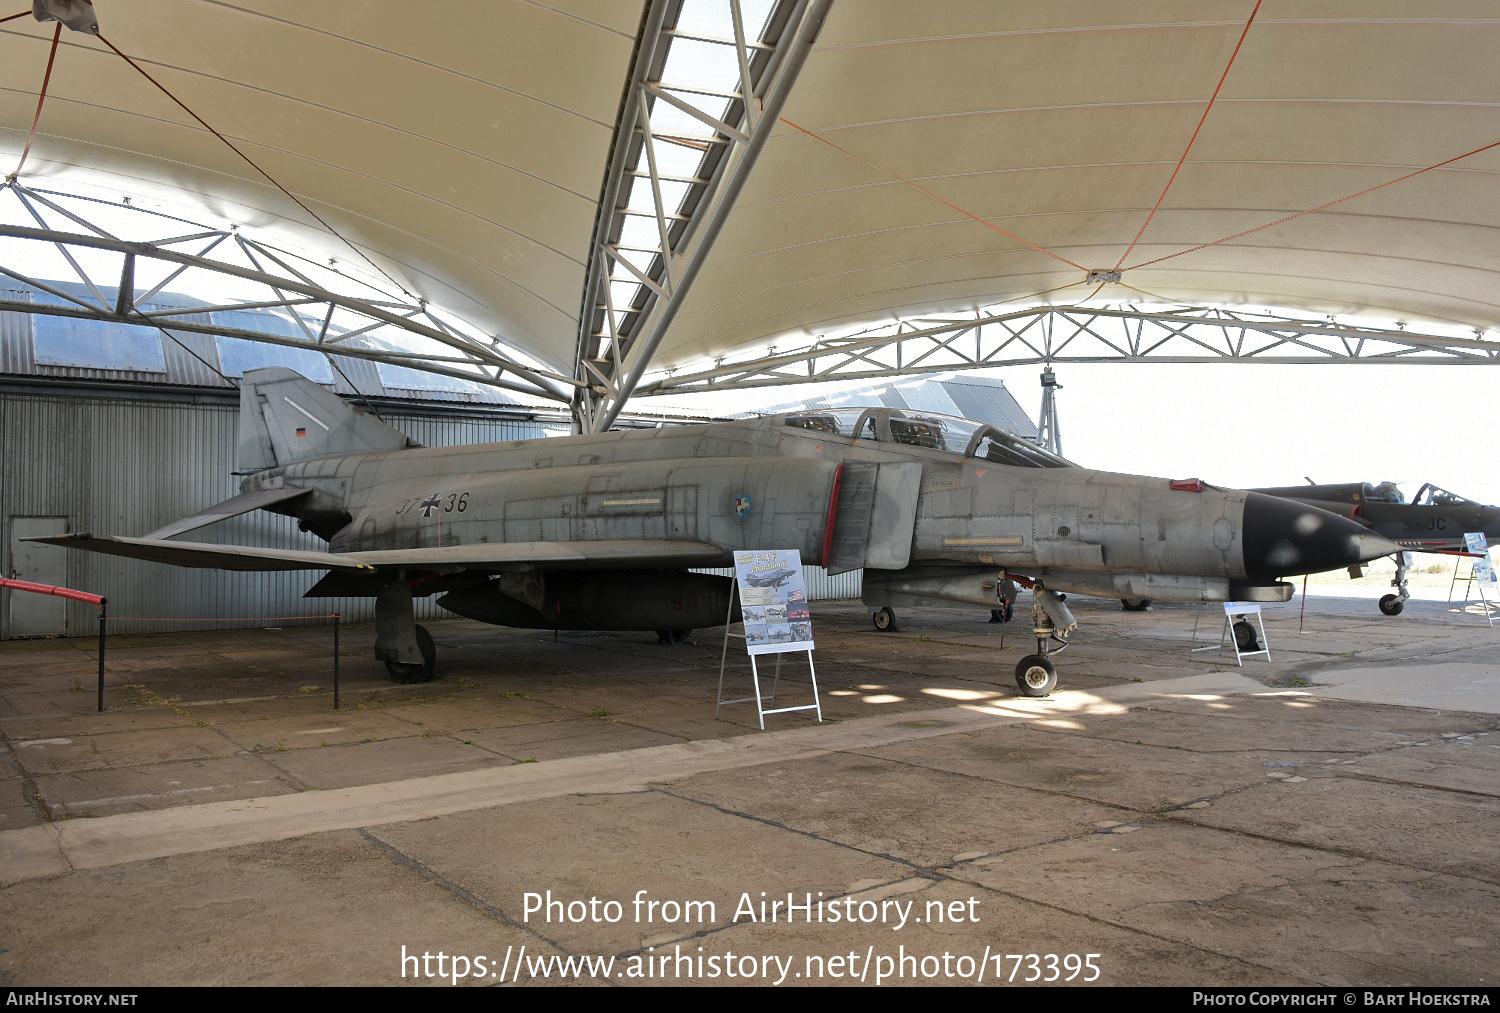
335 661
102 620
1050 436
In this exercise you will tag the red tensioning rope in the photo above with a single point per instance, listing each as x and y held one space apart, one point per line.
40 101
1320 207
934 196
204 123
1212 99
12 17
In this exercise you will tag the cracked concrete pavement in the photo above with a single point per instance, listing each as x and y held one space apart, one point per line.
1328 818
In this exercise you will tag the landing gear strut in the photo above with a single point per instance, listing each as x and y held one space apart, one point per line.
1392 604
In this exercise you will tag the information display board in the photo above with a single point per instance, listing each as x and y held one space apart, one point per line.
773 601
1484 567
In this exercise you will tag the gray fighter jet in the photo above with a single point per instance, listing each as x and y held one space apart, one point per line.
1434 521
598 532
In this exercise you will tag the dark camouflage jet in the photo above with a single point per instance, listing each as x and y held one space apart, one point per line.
1436 520
598 532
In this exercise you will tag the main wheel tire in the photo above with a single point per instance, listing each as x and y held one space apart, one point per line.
428 649
1036 675
885 620
1135 604
1244 636
672 636
409 673
1392 604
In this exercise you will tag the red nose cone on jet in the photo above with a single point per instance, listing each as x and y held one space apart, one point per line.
1284 538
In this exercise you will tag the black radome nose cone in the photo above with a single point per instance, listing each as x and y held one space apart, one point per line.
1283 538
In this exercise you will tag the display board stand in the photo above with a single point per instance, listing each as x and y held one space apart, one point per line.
760 699
1471 583
1231 610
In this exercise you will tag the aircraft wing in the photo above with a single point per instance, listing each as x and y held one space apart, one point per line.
606 554
207 554
241 504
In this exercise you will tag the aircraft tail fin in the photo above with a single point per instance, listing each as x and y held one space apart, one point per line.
286 418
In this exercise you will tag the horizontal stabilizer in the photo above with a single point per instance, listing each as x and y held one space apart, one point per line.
241 504
617 553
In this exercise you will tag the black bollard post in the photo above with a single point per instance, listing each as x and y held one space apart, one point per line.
335 661
102 620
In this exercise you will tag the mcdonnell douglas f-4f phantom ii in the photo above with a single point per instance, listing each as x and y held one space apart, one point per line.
598 532
1434 521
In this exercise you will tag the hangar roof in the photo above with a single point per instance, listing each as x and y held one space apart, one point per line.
935 156
461 146
1062 123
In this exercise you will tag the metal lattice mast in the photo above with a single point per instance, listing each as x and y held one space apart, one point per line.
1050 435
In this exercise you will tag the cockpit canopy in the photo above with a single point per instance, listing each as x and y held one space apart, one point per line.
1431 495
934 432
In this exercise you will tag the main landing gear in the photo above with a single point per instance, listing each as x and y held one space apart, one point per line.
1392 604
1244 636
407 649
1135 604
1036 675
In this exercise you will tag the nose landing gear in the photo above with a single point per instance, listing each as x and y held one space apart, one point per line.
1392 604
1051 621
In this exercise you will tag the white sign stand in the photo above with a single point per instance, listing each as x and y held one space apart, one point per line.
777 590
1481 575
1232 609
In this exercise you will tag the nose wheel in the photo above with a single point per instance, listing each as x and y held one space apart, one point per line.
1036 675
1392 604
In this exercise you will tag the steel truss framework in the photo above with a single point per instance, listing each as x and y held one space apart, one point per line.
334 311
635 286
1054 334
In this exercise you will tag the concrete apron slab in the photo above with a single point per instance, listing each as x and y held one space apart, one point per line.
1474 688
56 848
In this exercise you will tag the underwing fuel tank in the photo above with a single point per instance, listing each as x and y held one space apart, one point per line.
599 600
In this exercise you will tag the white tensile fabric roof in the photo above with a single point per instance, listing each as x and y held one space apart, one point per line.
465 148
1063 122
